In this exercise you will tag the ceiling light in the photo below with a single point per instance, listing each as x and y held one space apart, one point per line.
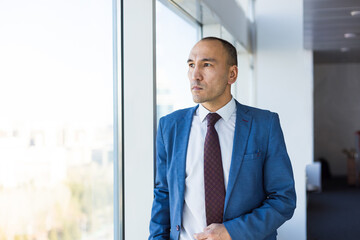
344 49
355 13
349 35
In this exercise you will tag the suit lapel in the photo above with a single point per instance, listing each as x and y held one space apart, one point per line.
241 135
183 127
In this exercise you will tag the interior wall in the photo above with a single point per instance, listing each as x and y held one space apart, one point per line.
336 112
284 84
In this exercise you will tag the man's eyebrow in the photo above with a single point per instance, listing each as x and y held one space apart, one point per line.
204 60
208 60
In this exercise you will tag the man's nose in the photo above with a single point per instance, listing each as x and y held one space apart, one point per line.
196 74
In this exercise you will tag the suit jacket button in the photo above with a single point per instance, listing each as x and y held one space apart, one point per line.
177 228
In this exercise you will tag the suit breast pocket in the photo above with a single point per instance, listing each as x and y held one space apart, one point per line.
253 156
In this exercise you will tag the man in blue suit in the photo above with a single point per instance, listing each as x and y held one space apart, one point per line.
222 169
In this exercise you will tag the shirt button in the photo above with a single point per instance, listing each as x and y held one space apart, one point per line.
177 228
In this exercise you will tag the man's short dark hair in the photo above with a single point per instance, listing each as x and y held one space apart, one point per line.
229 48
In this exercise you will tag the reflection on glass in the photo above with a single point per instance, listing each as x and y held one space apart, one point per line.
56 133
198 10
174 39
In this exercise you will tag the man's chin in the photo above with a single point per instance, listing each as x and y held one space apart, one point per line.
198 100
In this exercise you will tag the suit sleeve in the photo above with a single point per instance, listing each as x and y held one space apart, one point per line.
160 215
280 201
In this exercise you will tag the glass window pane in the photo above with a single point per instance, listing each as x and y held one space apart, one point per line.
198 10
174 39
56 131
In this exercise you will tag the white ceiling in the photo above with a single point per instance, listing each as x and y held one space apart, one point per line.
325 23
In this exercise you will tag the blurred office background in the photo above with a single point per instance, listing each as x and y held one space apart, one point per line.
83 84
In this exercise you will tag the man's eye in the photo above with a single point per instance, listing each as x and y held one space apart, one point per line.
191 65
207 64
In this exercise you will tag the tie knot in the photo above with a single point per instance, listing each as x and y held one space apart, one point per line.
212 118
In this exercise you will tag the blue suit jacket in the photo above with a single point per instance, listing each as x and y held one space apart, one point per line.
260 195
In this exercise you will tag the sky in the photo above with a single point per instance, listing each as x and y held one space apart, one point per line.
56 61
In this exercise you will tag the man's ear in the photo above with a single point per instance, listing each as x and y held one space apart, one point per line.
233 73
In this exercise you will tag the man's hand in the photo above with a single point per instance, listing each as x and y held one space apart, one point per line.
214 231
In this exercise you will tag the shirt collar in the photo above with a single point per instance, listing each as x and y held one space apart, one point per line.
225 112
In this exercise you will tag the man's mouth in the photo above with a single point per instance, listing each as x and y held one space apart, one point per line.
196 88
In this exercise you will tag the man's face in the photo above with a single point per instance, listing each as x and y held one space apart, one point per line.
209 72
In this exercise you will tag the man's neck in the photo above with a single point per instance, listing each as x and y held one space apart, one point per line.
213 107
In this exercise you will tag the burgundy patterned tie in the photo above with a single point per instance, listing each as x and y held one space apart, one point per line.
213 173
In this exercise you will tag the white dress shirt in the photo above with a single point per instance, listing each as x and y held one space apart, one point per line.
194 216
